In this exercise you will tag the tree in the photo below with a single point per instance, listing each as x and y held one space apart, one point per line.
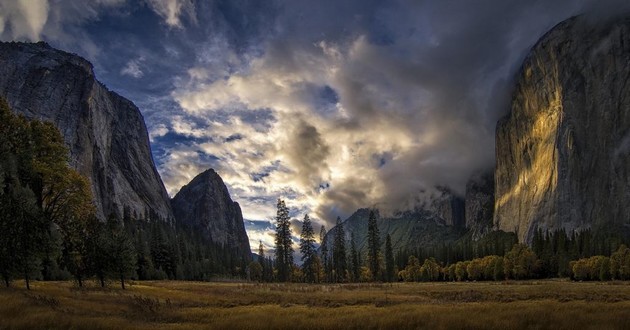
23 227
284 243
339 252
413 270
620 263
121 251
521 262
430 270
98 249
389 260
307 248
255 271
374 246
325 254
30 232
354 260
261 260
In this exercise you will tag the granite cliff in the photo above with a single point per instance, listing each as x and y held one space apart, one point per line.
206 205
104 132
563 151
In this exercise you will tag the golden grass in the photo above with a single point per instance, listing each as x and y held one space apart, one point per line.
193 305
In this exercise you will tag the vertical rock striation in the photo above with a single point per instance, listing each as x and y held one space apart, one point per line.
563 151
105 132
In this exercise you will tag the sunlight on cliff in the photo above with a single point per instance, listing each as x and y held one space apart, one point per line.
534 173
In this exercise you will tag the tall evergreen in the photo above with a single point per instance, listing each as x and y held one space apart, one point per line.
284 248
307 248
325 254
374 247
339 252
355 264
389 260
261 250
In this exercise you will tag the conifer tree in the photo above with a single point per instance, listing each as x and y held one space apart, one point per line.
339 252
284 248
389 260
325 254
261 250
307 248
374 247
354 260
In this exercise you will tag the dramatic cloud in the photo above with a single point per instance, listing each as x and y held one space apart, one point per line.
330 105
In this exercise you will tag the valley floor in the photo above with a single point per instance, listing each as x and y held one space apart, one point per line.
550 304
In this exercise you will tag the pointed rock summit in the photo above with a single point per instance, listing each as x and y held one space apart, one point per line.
205 204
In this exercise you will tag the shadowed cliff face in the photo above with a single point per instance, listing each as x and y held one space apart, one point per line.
563 153
105 132
479 204
205 204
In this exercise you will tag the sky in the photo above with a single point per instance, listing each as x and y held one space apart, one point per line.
330 105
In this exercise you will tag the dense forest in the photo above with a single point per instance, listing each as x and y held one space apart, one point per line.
49 230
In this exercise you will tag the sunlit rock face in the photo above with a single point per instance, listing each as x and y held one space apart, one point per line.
205 205
104 132
563 151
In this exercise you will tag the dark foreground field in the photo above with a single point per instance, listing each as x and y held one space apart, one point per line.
186 305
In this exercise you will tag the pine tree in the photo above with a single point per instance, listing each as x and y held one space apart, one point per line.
325 254
261 250
389 260
354 259
307 248
374 247
284 242
339 252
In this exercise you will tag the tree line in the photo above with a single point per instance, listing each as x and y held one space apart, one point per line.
497 256
49 230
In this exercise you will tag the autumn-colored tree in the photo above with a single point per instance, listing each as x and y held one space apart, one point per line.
620 263
520 263
413 270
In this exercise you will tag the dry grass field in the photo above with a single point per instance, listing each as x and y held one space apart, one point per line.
190 305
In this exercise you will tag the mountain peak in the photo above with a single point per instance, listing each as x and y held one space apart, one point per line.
205 204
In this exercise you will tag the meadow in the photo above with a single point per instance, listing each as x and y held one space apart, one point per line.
549 304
